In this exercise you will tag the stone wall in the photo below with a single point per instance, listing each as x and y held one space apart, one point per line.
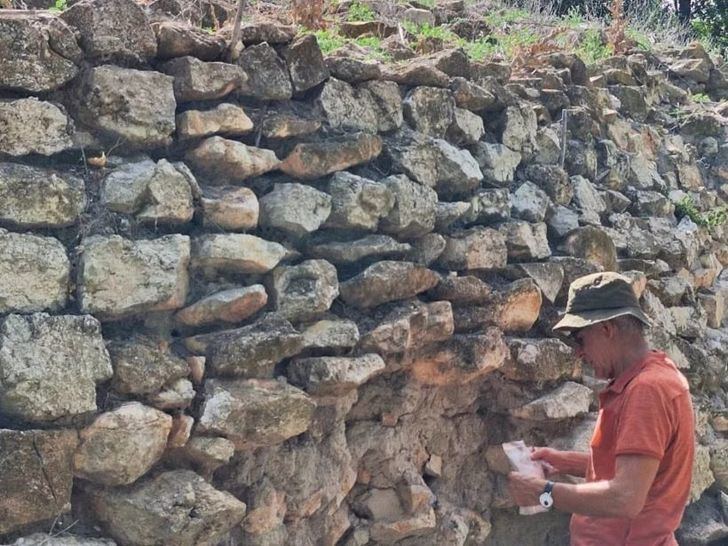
302 300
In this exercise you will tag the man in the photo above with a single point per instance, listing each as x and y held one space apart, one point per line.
639 466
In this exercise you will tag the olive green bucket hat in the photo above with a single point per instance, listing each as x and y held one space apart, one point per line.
598 297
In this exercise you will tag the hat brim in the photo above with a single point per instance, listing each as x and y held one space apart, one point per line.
575 321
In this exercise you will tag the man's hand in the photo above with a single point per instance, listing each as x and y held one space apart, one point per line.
561 462
525 490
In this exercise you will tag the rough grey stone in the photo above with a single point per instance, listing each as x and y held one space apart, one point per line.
348 252
198 80
540 360
387 281
223 161
594 245
569 400
178 39
590 203
50 365
348 108
331 334
475 248
525 241
305 63
561 220
304 291
33 126
225 119
530 203
236 252
414 210
466 128
267 75
143 365
175 506
35 476
230 208
112 30
429 110
332 375
34 273
255 413
44 50
119 277
498 163
120 446
134 105
311 160
296 209
358 203
388 102
490 206
253 351
228 306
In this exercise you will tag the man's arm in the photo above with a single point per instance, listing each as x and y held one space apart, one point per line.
562 462
621 497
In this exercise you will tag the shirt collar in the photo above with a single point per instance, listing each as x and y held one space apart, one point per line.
618 384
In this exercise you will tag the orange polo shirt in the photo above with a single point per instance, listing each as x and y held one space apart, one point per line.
645 411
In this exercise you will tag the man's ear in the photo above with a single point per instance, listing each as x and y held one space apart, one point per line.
609 329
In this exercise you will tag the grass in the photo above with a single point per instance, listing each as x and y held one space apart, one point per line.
360 12
59 5
329 40
506 16
712 218
592 49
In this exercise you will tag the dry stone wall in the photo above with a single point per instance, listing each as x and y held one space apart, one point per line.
296 299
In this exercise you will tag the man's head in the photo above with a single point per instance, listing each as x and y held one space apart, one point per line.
605 321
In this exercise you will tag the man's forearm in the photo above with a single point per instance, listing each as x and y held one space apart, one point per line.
598 499
574 463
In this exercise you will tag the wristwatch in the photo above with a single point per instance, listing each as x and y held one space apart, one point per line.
546 500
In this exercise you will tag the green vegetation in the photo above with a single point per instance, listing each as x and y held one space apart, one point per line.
59 5
591 48
360 12
700 98
506 16
328 40
714 217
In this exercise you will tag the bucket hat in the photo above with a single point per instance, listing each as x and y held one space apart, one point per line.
598 297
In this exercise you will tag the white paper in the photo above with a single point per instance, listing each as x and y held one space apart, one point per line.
519 455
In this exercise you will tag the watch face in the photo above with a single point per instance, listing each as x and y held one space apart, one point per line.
546 500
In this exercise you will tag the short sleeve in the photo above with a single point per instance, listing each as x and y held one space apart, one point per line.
646 423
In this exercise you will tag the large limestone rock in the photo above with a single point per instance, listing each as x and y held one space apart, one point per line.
35 197
525 241
119 277
49 366
223 161
332 375
463 289
225 119
253 351
295 209
387 281
540 360
254 413
475 248
35 476
112 30
352 69
414 211
357 202
408 326
498 163
553 180
34 273
435 163
236 252
331 334
136 106
33 126
569 400
230 208
466 128
120 446
311 160
304 291
429 110
347 107
530 203
305 63
144 365
369 247
388 102
489 206
44 52
197 80
176 39
174 507
267 74
228 306
461 359
594 245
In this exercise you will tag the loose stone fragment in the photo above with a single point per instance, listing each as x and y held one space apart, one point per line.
121 445
254 413
369 247
49 366
387 281
119 277
174 507
569 400
176 39
179 395
296 209
464 289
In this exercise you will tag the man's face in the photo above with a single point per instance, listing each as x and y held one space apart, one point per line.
594 346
